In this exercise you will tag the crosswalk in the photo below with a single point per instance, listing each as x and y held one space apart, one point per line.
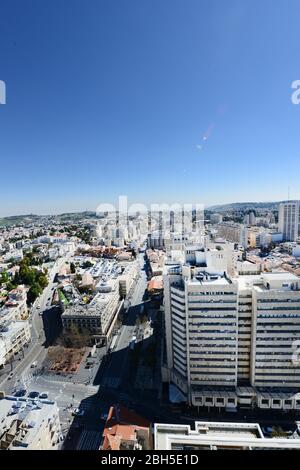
25 379
89 440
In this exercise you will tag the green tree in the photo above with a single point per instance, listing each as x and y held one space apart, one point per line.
42 280
87 264
4 278
34 291
73 268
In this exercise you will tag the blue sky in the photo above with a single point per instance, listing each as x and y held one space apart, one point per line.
161 100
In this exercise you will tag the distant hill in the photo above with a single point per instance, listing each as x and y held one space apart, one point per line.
18 219
31 218
244 206
76 215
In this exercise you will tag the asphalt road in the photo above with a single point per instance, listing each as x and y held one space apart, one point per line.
116 361
36 351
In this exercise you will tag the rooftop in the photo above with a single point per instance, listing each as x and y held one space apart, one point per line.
21 419
217 435
125 428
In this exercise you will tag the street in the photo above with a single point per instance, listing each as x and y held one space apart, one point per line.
36 351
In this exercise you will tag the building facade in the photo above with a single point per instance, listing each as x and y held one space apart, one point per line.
230 340
289 220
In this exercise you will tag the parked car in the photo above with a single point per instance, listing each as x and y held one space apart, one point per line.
21 392
33 394
34 364
10 376
43 395
78 412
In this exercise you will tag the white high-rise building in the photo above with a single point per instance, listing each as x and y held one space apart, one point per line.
289 220
229 341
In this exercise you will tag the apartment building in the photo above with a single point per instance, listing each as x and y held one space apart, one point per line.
292 248
15 255
233 232
17 300
231 340
29 424
13 337
289 220
128 277
276 329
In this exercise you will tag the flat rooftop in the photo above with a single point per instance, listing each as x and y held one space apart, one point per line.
217 435
31 413
209 279
166 433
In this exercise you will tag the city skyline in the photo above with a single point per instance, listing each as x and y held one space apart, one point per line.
195 99
168 207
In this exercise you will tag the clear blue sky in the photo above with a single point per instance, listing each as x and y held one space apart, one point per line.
161 100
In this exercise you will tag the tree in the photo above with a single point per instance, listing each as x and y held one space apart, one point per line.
34 291
42 280
4 278
73 268
87 264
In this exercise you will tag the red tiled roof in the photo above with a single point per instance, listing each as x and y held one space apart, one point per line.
121 424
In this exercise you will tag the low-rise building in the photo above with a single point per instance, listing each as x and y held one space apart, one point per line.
29 424
13 337
125 430
128 277
17 299
217 436
98 317
156 259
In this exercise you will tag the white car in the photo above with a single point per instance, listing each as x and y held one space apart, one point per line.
43 395
34 364
78 412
